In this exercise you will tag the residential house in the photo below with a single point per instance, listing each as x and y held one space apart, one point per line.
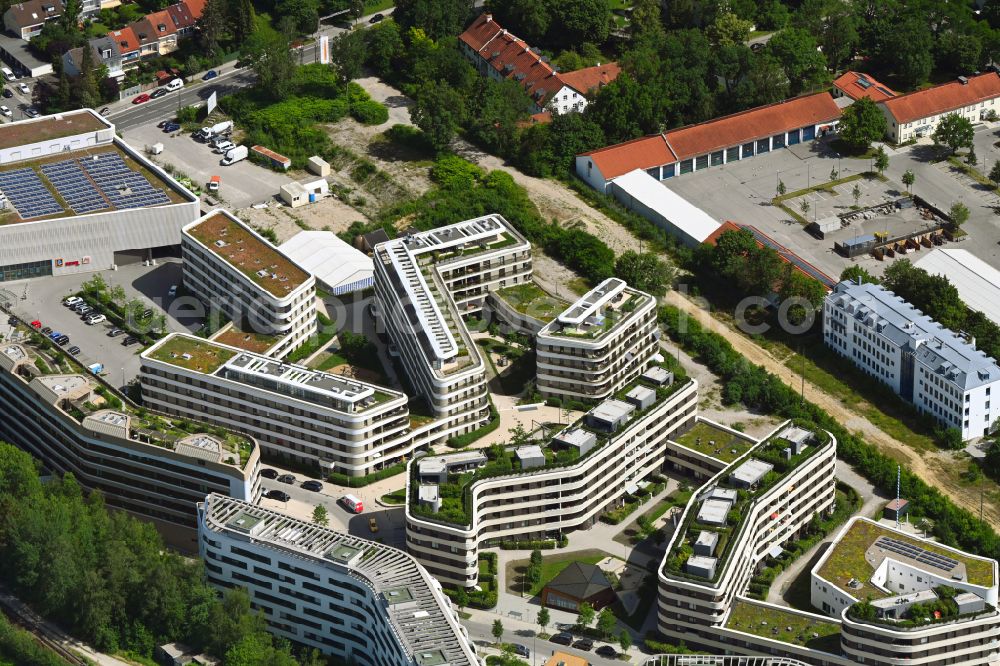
917 114
157 31
497 53
185 17
128 46
25 19
106 53
856 85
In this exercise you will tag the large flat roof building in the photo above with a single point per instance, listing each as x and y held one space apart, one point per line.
75 198
977 282
348 597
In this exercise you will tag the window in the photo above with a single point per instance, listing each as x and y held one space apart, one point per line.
717 158
27 270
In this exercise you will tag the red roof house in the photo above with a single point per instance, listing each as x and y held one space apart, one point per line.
857 85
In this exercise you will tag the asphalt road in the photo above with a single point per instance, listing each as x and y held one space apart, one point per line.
482 634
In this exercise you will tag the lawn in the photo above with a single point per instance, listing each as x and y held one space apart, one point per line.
552 566
395 497
785 626
709 440
378 6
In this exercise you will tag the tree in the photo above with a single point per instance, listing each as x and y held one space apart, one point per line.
625 640
586 614
954 131
856 193
881 160
303 14
606 622
995 173
438 111
728 28
528 19
357 8
241 19
385 43
461 598
437 18
70 19
959 214
908 179
907 50
834 173
578 21
348 52
543 618
862 123
646 272
320 516
796 51
804 207
213 26
971 158
781 188
497 630
857 273
270 58
86 83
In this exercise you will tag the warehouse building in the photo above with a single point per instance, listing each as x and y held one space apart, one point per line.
977 282
337 266
74 198
640 192
713 143
918 113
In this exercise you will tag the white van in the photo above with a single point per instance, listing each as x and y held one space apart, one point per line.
352 503
9 75
176 84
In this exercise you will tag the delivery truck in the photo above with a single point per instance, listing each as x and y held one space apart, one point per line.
234 155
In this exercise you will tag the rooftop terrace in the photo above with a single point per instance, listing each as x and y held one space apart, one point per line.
529 299
420 618
597 312
785 625
247 252
711 440
856 555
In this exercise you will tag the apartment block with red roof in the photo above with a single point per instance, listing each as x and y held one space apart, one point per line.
497 53
715 142
917 114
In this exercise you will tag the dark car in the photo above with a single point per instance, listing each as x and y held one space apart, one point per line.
106 110
376 18
279 495
269 473
115 332
46 331
209 75
286 478
607 651
74 350
313 485
171 127
562 638
158 93
520 650
12 321
8 93
584 644
162 124
130 340
62 340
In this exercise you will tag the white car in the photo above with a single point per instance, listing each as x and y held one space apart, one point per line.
172 291
72 300
5 111
23 88
224 147
95 319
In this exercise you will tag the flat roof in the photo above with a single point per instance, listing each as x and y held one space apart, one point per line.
55 126
714 511
529 452
578 437
332 261
190 353
612 410
603 309
246 251
977 282
751 471
651 193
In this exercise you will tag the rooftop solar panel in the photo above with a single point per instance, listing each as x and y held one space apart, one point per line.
914 552
28 194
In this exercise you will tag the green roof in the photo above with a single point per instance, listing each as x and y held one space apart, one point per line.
191 354
715 442
777 623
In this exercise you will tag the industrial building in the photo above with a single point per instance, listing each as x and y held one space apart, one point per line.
977 282
338 267
75 198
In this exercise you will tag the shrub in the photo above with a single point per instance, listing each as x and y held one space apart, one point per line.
369 112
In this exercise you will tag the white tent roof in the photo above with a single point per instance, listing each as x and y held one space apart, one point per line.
977 282
688 218
334 263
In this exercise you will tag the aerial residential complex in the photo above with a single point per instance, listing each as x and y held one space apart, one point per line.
313 418
347 597
941 373
424 284
233 269
547 489
86 201
917 114
599 344
143 463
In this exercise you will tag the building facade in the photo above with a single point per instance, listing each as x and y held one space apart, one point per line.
613 449
424 284
917 114
232 268
350 598
310 417
599 344
26 19
74 424
928 365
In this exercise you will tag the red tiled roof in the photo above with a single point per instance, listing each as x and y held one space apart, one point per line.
713 238
536 119
643 153
181 15
856 85
195 7
162 24
713 135
591 78
125 38
944 98
740 128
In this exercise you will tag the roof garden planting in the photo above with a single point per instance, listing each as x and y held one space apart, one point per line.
711 440
251 341
779 624
846 565
529 299
916 611
602 320
562 450
729 524
191 354
253 256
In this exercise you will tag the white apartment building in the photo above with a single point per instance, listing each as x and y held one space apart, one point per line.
896 570
350 598
739 517
599 344
308 416
556 487
144 464
232 268
917 114
424 284
941 373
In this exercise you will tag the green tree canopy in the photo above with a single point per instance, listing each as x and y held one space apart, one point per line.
437 18
646 272
796 52
954 131
439 111
861 124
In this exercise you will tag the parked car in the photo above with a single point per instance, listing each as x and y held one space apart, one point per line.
607 651
140 99
85 310
373 525
54 334
8 93
520 650
286 478
224 147
32 112
213 183
46 330
162 124
106 110
562 638
376 18
171 127
6 111
95 319
269 473
209 75
172 291
279 495
158 93
62 340
585 644
72 300
79 306
313 485
74 350
36 324
130 340
115 332
23 88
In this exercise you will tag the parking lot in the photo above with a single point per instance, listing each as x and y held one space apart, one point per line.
41 300
243 183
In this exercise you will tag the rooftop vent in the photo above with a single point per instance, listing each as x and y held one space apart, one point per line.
964 80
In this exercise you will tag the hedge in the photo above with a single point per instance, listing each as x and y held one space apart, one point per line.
462 441
369 112
339 479
547 544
